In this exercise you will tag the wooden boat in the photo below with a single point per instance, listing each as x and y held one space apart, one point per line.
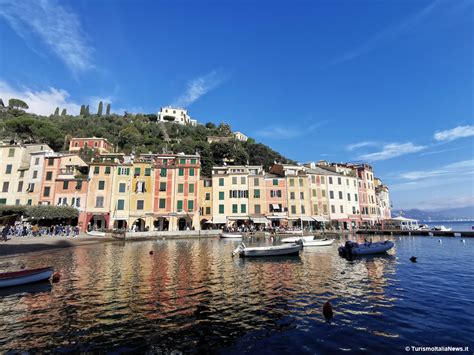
352 248
271 250
8 279
318 242
96 233
231 235
295 239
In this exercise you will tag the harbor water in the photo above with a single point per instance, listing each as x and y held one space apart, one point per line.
192 296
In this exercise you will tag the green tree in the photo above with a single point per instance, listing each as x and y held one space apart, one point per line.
17 104
86 111
82 111
99 110
64 112
56 112
107 110
210 125
224 129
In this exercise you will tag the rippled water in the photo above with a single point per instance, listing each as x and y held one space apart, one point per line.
192 296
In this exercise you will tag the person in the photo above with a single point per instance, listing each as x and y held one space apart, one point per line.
5 232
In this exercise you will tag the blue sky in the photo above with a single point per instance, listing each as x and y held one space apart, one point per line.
388 82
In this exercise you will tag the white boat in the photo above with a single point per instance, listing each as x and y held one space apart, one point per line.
272 250
318 242
441 229
352 248
294 232
96 233
8 279
231 235
295 239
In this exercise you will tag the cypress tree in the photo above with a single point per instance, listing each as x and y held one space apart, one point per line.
64 112
99 111
107 110
56 112
86 111
82 111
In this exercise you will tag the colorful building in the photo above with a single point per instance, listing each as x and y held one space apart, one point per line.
101 145
276 200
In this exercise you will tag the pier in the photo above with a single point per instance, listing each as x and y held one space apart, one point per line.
425 233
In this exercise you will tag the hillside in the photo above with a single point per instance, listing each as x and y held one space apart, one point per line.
462 213
139 133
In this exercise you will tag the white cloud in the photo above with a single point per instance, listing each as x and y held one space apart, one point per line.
200 86
454 133
55 25
279 132
392 150
458 168
354 146
42 102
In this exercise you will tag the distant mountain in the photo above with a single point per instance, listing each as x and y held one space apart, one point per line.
461 213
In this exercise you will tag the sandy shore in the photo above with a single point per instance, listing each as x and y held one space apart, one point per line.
20 245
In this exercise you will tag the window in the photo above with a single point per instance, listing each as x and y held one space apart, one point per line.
221 181
313 179
11 152
107 170
355 197
221 195
339 182
256 193
123 171
191 188
76 144
3 201
208 183
182 161
322 180
323 193
353 210
257 209
29 202
35 174
96 170
180 188
347 182
99 201
140 187
302 195
101 185
65 185
122 187
235 208
208 210
37 160
315 209
330 180
292 182
162 203
325 209
140 204
331 194
208 196
78 184
193 161
78 202
191 171
301 182
162 186
342 209
221 209
303 211
49 175
314 193
275 182
293 209
234 180
243 208
348 197
30 188
180 205
50 161
163 172
243 180
8 169
22 173
137 172
256 182
147 171
292 195
181 172
120 205
190 205
20 186
333 209
340 195
46 191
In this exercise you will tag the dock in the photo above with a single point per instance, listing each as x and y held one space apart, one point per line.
425 233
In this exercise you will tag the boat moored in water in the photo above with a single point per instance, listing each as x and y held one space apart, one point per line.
295 239
367 248
16 278
317 242
441 228
96 233
271 250
231 235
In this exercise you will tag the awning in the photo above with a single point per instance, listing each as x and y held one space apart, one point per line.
260 220
306 219
320 218
277 217
219 220
237 218
275 206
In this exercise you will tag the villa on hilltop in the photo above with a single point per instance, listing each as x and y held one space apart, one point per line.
175 115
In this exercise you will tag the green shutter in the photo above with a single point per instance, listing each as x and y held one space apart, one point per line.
191 172
180 205
190 205
181 172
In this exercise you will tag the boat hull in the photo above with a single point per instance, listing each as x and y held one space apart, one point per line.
318 243
25 277
96 234
367 248
295 239
231 236
271 251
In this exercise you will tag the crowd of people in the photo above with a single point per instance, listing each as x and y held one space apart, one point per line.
25 229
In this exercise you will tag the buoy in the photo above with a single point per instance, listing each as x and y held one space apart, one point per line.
151 252
440 241
462 240
413 259
327 310
56 277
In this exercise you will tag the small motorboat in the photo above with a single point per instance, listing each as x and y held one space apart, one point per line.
352 248
231 235
96 233
295 239
318 242
271 250
16 278
441 228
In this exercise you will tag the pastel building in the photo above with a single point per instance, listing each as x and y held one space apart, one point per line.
205 200
318 179
34 178
141 195
276 199
175 115
382 198
121 191
367 202
101 145
257 202
175 198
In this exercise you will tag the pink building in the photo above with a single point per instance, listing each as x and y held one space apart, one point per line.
101 145
276 199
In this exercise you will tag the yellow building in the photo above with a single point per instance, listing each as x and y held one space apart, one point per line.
141 195
121 190
205 201
257 196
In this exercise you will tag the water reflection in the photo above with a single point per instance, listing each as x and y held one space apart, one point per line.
194 295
